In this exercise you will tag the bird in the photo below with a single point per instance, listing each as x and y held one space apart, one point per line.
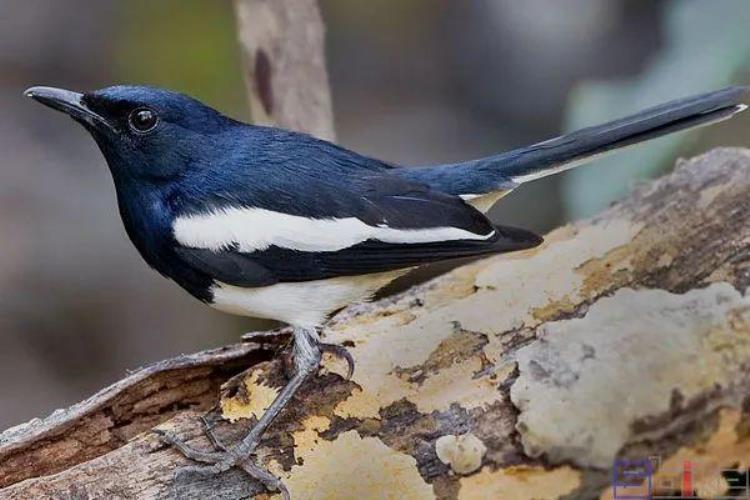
270 223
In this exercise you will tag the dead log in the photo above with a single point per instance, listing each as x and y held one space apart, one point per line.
626 336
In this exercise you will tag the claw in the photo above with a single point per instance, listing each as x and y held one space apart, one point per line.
208 430
306 356
205 457
219 462
340 352
271 482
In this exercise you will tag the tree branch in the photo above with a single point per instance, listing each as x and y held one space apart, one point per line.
627 335
517 376
284 57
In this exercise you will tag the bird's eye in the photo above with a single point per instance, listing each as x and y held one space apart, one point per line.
143 120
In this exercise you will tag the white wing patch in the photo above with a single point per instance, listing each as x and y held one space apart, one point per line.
255 229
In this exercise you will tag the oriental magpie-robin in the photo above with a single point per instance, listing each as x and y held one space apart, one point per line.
270 223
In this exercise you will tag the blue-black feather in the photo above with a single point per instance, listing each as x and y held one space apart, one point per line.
197 161
194 160
501 172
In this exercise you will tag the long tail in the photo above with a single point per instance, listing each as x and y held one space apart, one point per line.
503 172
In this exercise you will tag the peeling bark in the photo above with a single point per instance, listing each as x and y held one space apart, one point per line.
627 335
518 376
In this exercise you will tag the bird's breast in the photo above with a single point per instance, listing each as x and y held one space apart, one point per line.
148 223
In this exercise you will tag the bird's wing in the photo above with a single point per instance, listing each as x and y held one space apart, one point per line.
375 256
275 264
322 226
227 266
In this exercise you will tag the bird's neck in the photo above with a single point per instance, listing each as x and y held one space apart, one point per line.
147 215
147 221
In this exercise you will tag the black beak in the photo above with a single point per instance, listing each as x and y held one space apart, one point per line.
69 102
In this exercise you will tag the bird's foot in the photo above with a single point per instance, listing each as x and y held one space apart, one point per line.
221 460
339 352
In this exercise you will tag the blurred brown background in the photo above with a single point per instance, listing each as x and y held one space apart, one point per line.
414 82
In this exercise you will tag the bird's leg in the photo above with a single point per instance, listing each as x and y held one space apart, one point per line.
307 354
335 350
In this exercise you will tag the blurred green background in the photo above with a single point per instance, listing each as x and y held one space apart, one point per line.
414 82
181 44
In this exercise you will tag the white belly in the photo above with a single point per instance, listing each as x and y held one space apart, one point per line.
304 304
308 304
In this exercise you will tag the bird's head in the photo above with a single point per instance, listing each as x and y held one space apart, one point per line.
147 135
